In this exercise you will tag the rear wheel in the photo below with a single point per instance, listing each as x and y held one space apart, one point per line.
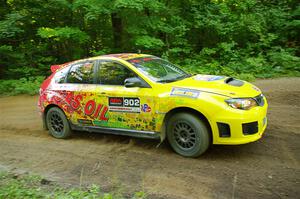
57 123
188 134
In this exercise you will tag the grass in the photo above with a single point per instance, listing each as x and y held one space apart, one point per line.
14 186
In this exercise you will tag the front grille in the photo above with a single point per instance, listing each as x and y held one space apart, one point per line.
224 129
260 100
250 128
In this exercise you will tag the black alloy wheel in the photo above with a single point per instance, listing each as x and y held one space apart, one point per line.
57 123
188 134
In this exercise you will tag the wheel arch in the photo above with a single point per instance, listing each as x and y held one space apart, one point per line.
47 108
185 110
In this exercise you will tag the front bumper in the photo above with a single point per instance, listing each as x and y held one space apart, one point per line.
244 126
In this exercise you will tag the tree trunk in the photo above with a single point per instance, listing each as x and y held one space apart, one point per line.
117 29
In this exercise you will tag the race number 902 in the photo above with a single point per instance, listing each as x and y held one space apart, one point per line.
131 102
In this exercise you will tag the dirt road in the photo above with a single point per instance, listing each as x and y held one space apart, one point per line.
268 168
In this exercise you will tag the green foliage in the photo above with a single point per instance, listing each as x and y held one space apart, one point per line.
140 195
11 26
284 61
29 86
149 42
245 39
34 187
62 34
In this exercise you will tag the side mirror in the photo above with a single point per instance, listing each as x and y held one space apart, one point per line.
133 82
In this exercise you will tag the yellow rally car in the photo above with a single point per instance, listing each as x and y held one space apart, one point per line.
145 96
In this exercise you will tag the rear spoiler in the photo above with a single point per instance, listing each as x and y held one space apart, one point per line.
54 68
57 67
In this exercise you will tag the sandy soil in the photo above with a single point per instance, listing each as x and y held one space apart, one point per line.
268 168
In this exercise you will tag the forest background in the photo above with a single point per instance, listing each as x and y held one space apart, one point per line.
245 39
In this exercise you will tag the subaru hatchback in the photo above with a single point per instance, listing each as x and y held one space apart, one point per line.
145 96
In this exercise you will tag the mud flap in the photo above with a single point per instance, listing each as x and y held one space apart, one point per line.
45 127
162 135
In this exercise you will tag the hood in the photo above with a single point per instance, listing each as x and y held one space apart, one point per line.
221 85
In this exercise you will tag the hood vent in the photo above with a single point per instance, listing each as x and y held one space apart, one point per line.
233 82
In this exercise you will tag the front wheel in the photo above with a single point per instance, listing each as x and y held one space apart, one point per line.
57 123
188 134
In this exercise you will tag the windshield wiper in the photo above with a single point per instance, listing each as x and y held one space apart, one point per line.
174 79
166 80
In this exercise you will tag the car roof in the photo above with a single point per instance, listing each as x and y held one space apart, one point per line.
126 56
123 56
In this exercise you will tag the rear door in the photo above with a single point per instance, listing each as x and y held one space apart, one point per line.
128 108
79 92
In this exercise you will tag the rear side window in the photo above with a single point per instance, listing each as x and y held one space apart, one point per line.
82 73
60 76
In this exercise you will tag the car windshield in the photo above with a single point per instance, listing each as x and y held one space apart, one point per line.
159 70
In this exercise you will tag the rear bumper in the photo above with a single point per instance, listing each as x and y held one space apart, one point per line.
244 126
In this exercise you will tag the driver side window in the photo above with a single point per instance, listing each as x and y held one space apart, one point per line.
112 73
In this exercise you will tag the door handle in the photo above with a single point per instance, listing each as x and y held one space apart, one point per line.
102 94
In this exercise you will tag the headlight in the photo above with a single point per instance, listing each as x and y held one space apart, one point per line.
241 103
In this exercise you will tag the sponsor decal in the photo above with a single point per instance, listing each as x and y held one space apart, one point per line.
124 104
73 100
90 108
208 77
115 101
138 60
146 108
85 122
184 92
126 55
96 110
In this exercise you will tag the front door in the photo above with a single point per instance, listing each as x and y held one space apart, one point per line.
127 108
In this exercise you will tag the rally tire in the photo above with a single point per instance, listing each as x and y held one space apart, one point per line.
188 135
57 123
